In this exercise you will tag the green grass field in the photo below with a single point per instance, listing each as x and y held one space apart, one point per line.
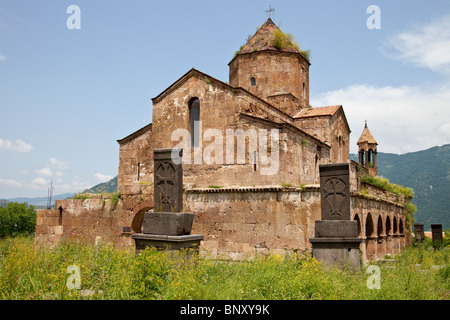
73 271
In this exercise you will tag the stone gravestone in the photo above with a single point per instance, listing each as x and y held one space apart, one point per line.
167 228
168 180
336 241
436 232
419 232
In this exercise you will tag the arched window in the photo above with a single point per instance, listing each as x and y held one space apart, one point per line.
379 226
359 224
395 225
369 225
388 225
194 121
253 81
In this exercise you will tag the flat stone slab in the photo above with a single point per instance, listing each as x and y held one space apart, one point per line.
336 229
165 242
167 223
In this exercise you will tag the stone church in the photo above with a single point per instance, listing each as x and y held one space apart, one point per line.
252 147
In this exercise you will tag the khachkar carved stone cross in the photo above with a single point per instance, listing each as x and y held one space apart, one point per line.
419 232
168 180
167 228
335 192
336 241
436 233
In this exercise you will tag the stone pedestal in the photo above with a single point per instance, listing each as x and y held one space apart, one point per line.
167 228
172 244
168 231
336 243
168 223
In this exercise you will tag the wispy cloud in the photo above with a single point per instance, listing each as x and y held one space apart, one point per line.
40 182
45 172
58 164
17 146
2 57
10 183
424 46
102 177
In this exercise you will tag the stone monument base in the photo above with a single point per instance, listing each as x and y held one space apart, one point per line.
171 244
337 252
336 243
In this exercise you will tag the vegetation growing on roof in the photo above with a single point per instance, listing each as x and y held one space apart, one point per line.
384 183
282 40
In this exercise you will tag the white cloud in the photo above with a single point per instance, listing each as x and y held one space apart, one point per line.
2 57
405 118
39 181
17 146
402 119
10 183
58 164
425 46
45 172
102 177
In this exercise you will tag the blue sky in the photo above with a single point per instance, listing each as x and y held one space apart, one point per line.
66 95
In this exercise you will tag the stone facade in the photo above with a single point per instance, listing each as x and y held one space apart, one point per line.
239 208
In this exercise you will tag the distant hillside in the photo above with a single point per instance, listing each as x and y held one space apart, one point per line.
3 203
105 187
41 202
428 173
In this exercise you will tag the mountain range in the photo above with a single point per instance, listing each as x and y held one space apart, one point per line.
427 172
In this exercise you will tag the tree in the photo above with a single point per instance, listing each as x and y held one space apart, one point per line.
17 218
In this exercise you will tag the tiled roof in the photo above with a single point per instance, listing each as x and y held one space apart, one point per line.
366 136
320 111
262 40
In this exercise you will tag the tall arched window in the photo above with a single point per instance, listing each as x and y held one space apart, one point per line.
369 225
194 119
253 81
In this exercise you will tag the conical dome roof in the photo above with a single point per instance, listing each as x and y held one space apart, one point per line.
263 39
366 136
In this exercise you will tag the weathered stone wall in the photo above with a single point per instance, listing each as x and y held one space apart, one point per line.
239 223
87 221
135 179
381 224
332 130
274 72
221 109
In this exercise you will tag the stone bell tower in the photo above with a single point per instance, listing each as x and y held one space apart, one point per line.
367 150
276 72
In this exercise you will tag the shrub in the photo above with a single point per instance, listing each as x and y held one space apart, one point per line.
17 219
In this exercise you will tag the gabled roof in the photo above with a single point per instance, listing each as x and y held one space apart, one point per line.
328 111
320 111
366 136
135 134
237 90
263 38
